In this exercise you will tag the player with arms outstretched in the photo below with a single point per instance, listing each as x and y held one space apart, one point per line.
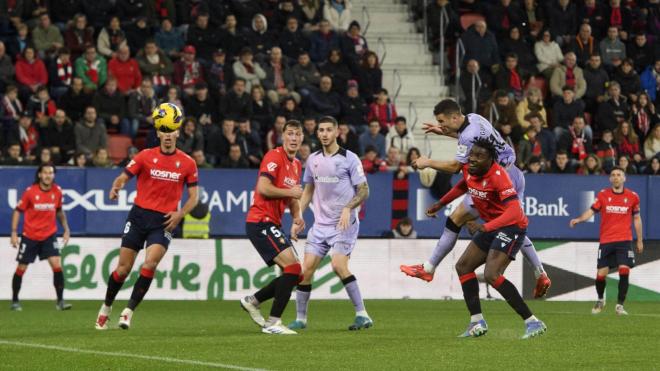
619 207
42 205
278 187
496 242
162 172
466 129
335 180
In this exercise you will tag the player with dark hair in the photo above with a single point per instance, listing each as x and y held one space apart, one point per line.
42 205
619 207
161 172
467 128
278 187
335 180
495 242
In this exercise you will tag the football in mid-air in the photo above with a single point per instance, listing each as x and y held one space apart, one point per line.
167 117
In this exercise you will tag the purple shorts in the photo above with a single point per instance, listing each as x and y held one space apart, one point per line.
321 240
518 180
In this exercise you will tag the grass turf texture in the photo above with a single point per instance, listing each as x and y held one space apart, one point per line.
408 334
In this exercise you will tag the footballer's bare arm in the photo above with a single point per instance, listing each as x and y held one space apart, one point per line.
361 195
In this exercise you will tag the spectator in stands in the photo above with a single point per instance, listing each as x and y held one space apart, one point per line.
347 139
111 107
74 101
568 75
644 116
274 136
306 76
650 80
383 110
501 110
627 140
548 53
641 52
226 138
619 17
237 103
528 147
593 14
231 39
312 14
16 44
169 39
64 12
132 152
624 163
614 110
250 142
323 41
584 45
203 38
413 155
190 138
607 151
393 159
138 33
46 37
98 12
286 9
45 157
506 131
248 69
309 133
562 165
78 35
533 18
60 73
565 110
262 110
562 20
259 38
235 159
141 104
244 10
481 45
653 167
544 135
324 102
373 138
596 78
533 103
155 66
575 141
200 159
292 41
90 133
290 109
40 107
13 157
353 46
79 160
219 74
534 166
28 135
125 70
503 17
399 136
371 162
591 166
172 96
403 229
612 49
92 69
512 78
626 76
338 14
111 38
101 159
354 109
188 71
652 143
131 11
12 108
337 70
303 154
370 76
7 71
477 86
518 45
279 81
202 106
30 73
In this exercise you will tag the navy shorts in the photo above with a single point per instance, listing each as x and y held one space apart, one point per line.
268 239
614 254
142 226
29 249
508 240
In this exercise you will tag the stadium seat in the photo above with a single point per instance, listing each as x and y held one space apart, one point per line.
118 145
540 83
468 19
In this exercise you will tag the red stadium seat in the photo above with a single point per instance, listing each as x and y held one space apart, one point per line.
540 83
468 19
118 147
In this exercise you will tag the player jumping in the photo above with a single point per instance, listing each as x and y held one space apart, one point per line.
619 207
496 242
335 179
278 187
161 174
42 204
468 128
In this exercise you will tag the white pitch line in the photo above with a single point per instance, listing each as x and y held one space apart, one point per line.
128 355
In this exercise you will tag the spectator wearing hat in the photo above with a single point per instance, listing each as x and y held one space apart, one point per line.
354 109
202 106
219 74
322 41
237 103
78 35
203 38
91 68
279 82
126 70
188 71
338 14
169 39
111 38
248 69
335 67
111 107
292 41
156 66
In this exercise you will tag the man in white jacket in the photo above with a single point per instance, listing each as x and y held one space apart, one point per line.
400 137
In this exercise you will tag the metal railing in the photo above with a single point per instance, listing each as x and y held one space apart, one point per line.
460 53
425 20
427 146
366 20
412 109
381 50
444 23
396 76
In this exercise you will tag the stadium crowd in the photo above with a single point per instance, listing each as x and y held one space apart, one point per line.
76 73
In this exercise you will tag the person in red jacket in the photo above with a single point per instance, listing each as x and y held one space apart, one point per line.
30 72
383 111
126 70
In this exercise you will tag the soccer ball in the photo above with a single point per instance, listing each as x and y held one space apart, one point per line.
167 117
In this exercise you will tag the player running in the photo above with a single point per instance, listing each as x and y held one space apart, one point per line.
335 179
620 207
496 242
161 174
278 187
42 204
468 128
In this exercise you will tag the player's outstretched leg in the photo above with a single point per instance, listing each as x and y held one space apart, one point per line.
624 272
468 262
291 275
600 290
16 282
250 304
115 282
543 283
58 282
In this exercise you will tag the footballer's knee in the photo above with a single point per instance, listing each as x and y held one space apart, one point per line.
491 275
150 265
462 267
340 269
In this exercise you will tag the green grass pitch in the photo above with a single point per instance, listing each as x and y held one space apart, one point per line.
408 334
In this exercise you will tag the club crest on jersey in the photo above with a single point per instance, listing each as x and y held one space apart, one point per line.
483 184
271 166
282 240
155 160
37 197
177 164
625 200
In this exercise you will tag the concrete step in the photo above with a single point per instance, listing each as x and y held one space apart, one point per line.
378 27
387 17
380 8
407 68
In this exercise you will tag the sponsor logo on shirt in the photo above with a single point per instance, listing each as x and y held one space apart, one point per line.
326 179
165 175
290 182
508 192
616 209
479 194
44 207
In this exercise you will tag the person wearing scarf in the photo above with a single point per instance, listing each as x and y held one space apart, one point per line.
568 75
91 68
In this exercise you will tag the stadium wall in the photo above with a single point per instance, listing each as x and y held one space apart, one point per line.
550 202
228 269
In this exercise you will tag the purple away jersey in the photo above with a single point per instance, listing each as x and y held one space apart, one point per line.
476 127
